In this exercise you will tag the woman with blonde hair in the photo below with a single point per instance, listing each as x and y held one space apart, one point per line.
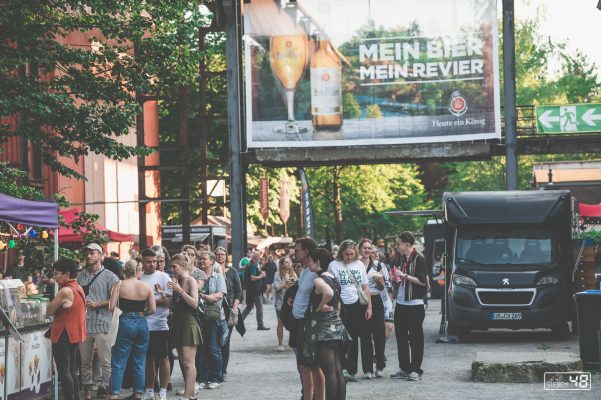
136 301
282 281
350 273
185 332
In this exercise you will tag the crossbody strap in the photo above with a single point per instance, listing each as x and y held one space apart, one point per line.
89 284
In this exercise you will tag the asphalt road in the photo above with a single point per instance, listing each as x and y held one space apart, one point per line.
258 371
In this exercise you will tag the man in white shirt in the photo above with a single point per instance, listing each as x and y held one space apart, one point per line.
158 348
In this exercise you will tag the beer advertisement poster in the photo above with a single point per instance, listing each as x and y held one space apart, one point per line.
359 72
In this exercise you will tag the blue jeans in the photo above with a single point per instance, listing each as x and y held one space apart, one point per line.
210 357
132 338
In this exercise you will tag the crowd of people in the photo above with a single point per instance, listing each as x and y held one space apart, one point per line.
128 319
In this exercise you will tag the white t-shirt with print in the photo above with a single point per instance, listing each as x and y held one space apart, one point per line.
348 290
158 320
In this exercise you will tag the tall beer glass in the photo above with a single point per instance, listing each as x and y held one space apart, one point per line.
288 55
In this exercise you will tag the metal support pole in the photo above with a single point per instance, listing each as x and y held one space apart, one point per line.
237 171
511 166
55 244
184 179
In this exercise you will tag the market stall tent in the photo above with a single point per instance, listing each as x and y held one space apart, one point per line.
27 212
69 236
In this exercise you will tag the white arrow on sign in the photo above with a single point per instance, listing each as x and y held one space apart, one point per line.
589 117
546 119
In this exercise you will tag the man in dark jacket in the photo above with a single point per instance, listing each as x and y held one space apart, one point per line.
252 277
409 313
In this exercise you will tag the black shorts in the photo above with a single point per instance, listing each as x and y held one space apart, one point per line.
159 344
297 339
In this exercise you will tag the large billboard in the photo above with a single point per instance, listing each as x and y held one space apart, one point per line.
360 72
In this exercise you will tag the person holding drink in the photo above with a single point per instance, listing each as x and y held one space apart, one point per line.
185 332
409 312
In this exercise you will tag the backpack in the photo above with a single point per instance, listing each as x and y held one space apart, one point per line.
286 310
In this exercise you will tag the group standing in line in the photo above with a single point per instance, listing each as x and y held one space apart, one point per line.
341 303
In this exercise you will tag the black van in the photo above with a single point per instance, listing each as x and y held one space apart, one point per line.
510 257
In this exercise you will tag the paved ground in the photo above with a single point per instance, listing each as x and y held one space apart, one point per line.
257 371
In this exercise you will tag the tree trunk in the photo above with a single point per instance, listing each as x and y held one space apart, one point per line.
337 204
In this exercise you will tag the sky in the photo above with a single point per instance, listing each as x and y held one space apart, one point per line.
579 21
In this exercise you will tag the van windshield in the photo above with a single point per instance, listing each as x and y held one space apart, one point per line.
488 247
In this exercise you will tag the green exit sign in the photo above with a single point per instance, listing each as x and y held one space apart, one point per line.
569 118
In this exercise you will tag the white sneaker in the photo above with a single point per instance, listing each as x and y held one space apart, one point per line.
379 373
368 375
199 387
180 392
400 374
281 348
214 385
148 395
414 376
159 397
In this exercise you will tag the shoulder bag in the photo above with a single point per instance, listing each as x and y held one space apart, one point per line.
111 336
212 310
360 292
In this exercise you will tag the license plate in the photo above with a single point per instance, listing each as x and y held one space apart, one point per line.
506 316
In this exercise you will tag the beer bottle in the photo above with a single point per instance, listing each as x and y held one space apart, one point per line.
326 86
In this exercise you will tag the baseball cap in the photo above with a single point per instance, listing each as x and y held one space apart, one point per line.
93 246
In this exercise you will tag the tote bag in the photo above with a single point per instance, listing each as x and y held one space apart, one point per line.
111 336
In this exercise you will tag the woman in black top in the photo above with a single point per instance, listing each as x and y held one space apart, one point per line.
136 301
326 325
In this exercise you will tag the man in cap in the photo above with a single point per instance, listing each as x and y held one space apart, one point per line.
97 283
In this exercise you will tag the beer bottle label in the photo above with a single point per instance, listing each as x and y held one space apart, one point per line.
326 92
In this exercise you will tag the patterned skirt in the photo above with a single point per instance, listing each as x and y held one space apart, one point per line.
327 327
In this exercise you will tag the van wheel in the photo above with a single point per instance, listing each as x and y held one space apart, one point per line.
561 331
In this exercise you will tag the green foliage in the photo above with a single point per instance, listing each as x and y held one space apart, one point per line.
547 73
253 209
73 100
373 111
350 106
367 192
9 186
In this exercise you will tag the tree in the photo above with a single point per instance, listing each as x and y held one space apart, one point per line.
571 79
73 100
350 106
42 253
253 209
351 200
